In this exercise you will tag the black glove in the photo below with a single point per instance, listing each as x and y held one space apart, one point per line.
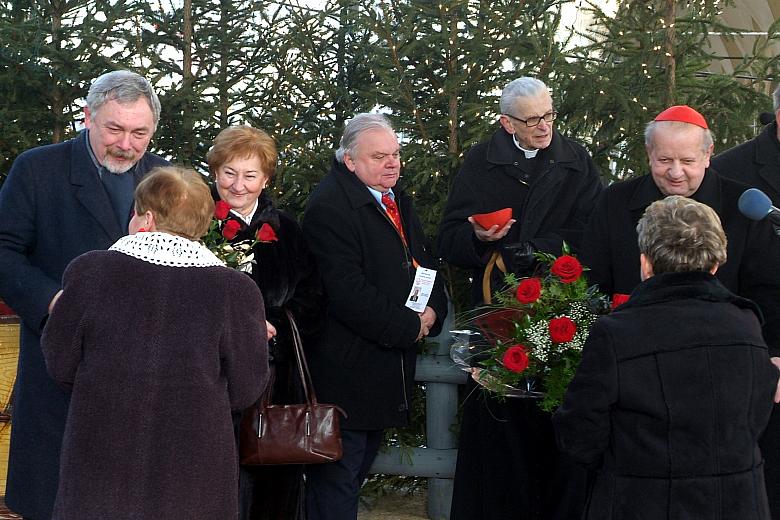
519 258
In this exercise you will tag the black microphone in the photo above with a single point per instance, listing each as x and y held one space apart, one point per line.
756 205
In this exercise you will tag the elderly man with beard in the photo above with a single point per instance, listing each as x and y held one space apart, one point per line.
370 250
59 201
679 145
508 464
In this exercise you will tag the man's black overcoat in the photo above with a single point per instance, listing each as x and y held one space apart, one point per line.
365 359
755 163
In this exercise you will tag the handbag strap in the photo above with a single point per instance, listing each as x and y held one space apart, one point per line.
303 367
495 261
267 398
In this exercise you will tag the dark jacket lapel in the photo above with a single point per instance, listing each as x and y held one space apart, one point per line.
540 201
89 190
768 156
358 196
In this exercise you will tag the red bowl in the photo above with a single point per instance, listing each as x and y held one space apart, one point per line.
488 220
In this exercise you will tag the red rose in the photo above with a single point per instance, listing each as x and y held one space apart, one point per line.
562 329
567 268
528 290
230 230
221 210
516 358
619 299
266 233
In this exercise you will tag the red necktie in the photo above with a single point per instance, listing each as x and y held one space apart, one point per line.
391 209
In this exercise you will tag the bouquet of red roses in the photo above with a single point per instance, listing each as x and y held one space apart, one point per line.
529 343
223 229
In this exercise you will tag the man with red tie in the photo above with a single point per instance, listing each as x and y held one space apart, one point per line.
383 296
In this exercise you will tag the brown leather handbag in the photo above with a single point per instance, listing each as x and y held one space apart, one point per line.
306 433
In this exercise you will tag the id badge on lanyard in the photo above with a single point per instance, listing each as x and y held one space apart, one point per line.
422 287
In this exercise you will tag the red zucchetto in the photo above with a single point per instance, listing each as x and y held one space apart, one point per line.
684 114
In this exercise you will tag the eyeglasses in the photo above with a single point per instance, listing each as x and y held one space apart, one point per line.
533 121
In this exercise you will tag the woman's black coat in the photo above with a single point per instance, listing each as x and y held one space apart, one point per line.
287 278
673 391
365 360
285 273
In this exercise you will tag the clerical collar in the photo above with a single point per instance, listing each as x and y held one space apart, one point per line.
529 154
100 167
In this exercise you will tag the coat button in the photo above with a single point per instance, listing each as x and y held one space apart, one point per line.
517 163
401 407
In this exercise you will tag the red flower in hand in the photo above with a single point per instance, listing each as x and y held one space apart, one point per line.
516 358
266 233
528 290
562 329
221 210
619 299
230 230
567 268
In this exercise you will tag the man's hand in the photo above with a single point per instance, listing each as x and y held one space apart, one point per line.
270 330
492 234
776 362
427 319
54 300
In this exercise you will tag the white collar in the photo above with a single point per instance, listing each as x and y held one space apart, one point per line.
248 219
166 249
529 154
378 195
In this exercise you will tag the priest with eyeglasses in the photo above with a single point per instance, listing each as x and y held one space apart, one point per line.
508 465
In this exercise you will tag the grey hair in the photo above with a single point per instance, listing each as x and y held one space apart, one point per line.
776 98
520 88
362 122
706 141
124 87
679 234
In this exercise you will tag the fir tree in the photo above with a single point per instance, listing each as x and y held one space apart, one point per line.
51 51
649 56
